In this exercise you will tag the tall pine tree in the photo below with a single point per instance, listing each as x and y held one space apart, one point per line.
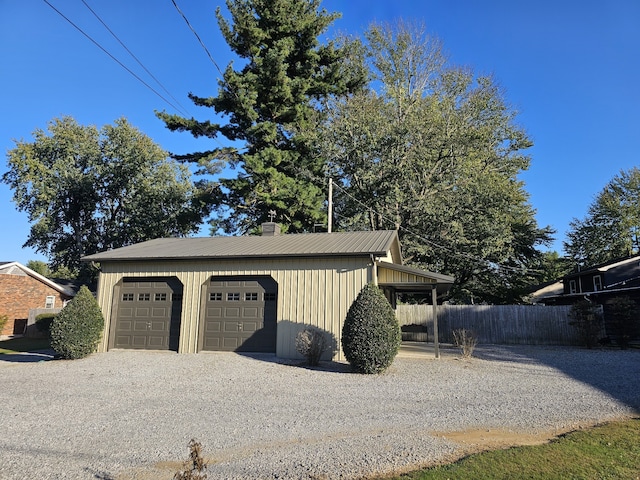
270 105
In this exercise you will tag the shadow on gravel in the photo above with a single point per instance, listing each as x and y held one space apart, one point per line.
28 357
615 372
325 366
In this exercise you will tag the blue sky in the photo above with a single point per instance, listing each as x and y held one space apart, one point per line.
571 68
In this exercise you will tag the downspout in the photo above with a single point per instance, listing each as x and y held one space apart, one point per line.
434 300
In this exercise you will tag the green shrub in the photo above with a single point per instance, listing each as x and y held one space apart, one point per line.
371 334
43 322
76 330
586 317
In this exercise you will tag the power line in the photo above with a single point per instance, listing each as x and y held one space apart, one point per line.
110 55
197 36
184 110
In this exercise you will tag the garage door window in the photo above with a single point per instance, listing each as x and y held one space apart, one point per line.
127 297
233 297
251 296
215 297
160 297
144 297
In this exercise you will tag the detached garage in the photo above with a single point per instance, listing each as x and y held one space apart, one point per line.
246 294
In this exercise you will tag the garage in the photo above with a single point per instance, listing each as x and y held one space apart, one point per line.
148 314
239 314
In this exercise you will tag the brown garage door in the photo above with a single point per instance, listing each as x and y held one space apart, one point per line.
148 314
240 315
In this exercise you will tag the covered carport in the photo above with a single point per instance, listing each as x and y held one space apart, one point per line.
394 279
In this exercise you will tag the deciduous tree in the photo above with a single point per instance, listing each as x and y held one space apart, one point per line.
87 190
435 151
611 228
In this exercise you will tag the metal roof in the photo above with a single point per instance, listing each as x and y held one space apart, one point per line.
377 243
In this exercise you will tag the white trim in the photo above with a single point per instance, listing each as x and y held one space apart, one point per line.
36 275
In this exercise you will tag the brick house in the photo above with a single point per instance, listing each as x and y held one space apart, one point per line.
23 290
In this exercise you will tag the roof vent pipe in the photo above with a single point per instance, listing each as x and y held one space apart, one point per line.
270 229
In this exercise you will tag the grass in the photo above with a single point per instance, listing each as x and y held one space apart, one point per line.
610 451
23 344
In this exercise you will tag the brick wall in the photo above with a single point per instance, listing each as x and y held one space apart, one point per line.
21 293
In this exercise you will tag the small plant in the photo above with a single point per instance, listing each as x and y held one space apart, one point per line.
3 321
371 333
465 340
76 330
311 343
44 321
586 317
194 467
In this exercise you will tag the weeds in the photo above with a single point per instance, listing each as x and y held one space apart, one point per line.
466 340
194 467
311 343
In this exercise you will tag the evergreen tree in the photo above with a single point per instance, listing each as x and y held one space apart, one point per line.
271 104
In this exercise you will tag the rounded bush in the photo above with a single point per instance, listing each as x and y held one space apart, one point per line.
371 335
76 330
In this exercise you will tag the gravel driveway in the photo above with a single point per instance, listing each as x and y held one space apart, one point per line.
131 414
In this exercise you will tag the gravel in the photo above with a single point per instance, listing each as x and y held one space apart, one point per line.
131 414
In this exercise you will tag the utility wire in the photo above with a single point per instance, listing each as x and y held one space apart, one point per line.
197 36
110 55
183 110
314 178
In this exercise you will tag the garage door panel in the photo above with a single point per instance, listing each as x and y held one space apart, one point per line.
235 314
148 314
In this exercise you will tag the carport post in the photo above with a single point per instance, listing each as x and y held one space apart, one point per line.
434 301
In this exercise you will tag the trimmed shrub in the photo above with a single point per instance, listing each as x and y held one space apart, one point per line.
586 317
44 321
76 330
371 334
311 343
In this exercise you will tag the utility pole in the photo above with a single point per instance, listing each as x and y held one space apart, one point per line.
330 206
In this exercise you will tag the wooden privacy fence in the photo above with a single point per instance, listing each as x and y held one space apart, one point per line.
497 324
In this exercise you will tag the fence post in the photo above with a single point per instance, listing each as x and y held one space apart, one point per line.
434 301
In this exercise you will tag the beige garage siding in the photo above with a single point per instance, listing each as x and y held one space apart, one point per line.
316 292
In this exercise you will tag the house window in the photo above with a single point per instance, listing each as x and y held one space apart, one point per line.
160 297
215 297
572 286
127 297
251 296
50 302
233 297
144 297
597 283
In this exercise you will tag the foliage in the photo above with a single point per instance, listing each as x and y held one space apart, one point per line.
76 330
40 267
87 190
465 340
311 343
371 333
611 228
44 321
622 313
194 468
3 321
586 317
435 151
609 451
270 103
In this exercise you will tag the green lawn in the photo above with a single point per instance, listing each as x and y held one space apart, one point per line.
610 451
15 345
